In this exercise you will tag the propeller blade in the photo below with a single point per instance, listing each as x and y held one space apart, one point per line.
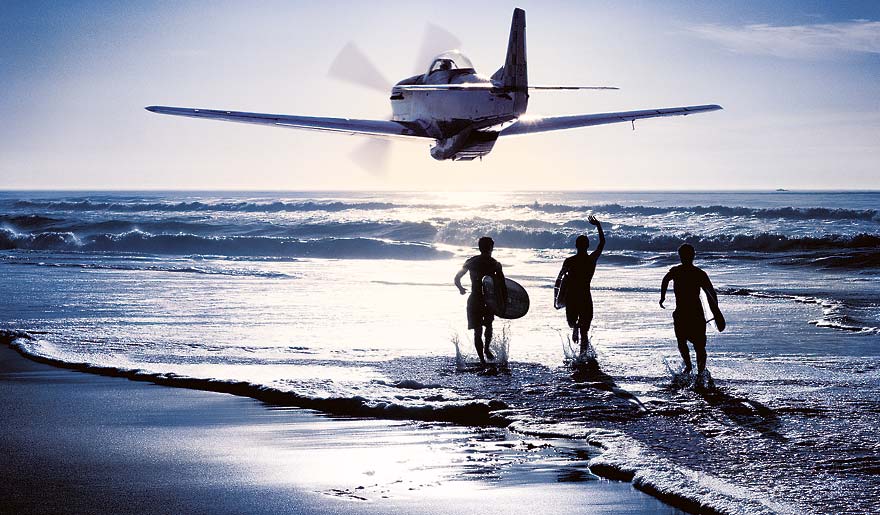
352 65
435 41
372 155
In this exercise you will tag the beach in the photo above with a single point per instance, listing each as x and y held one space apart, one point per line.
75 442
263 347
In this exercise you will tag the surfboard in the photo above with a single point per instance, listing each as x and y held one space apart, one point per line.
559 291
517 304
711 306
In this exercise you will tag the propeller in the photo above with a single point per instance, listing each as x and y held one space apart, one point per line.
372 155
353 66
434 41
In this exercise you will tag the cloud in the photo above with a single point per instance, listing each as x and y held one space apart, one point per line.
796 41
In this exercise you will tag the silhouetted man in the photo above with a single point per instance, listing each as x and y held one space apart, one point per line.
689 319
578 299
478 314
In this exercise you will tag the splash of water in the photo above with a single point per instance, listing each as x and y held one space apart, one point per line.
679 379
574 354
499 346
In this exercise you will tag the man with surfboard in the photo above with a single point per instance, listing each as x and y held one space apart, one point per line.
688 318
573 286
479 315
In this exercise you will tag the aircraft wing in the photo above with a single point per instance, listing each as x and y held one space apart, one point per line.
527 125
378 128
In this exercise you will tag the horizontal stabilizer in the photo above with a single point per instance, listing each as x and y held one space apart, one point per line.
574 87
528 125
485 86
380 128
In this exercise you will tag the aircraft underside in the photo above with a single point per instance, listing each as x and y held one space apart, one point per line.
460 121
467 145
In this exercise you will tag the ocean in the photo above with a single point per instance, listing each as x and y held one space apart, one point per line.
343 302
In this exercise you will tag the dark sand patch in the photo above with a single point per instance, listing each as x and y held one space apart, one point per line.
81 443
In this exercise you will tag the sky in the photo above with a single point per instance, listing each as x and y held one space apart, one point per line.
799 82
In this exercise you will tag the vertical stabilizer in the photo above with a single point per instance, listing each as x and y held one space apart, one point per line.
514 77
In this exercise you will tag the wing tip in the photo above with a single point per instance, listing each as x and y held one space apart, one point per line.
702 108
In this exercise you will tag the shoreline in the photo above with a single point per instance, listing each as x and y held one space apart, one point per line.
84 442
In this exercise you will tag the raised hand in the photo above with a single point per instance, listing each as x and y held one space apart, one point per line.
593 220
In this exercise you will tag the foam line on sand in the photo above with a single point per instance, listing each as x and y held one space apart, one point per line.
82 443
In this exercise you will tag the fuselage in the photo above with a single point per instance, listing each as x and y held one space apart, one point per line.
446 113
461 120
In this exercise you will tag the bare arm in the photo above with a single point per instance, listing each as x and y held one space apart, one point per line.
502 283
598 252
663 287
562 271
457 281
709 289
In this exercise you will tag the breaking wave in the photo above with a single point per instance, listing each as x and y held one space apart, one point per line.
795 213
391 229
464 233
786 212
190 244
412 240
268 274
252 207
836 314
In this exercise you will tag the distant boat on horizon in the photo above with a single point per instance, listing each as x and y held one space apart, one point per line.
781 189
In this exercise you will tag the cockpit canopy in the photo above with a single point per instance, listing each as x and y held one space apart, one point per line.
451 60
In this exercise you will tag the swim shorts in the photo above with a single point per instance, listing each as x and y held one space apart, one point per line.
690 326
478 313
579 310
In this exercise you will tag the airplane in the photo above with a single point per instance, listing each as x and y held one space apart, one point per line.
463 112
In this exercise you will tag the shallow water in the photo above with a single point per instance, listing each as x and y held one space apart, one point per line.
344 302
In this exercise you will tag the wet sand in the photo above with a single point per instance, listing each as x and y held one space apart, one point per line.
74 442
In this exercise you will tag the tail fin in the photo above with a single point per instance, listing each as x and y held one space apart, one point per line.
514 76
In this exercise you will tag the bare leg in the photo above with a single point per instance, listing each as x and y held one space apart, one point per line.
585 337
478 343
585 320
488 337
685 355
574 334
700 348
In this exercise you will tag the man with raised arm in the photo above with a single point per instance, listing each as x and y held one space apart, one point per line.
478 313
688 317
577 273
